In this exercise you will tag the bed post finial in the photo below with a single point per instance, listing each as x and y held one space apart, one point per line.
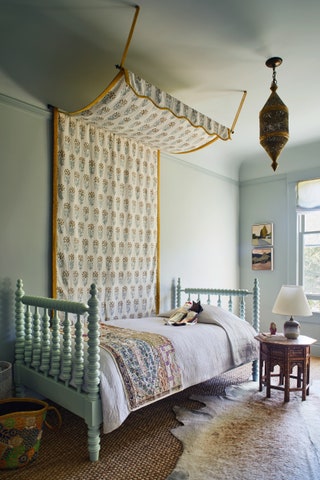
255 322
178 295
93 369
256 305
20 331
19 321
93 344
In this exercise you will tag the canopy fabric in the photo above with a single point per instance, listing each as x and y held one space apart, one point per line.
132 107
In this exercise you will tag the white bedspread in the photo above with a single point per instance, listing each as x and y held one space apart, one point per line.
202 352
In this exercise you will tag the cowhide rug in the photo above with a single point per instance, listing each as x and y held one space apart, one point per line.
245 436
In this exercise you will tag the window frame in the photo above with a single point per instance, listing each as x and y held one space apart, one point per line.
292 252
301 235
297 247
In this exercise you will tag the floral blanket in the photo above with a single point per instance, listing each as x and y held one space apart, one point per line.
146 362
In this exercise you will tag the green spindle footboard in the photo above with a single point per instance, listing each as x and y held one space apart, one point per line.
52 353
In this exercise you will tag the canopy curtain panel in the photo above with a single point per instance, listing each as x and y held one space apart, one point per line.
105 221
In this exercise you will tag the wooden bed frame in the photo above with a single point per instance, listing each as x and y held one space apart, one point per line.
50 350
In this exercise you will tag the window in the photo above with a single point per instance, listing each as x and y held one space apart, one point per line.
308 216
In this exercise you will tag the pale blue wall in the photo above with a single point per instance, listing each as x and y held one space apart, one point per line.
264 200
199 231
271 198
25 201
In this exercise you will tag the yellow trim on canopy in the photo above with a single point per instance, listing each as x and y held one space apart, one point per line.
134 21
133 107
54 202
152 116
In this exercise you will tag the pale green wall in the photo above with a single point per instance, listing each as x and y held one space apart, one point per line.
264 200
199 228
25 201
271 198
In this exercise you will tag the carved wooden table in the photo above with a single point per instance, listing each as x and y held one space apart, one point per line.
286 354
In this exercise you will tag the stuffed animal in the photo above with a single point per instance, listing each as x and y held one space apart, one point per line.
186 315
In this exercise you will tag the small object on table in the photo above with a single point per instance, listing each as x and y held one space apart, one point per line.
273 328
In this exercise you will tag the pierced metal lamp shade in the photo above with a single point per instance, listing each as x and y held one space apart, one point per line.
274 126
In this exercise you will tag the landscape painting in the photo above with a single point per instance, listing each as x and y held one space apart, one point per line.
262 259
262 235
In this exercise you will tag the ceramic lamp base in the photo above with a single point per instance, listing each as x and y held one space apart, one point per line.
291 329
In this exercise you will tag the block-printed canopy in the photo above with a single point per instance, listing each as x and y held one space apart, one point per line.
136 109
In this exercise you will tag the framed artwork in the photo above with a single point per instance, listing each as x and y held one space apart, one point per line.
262 258
262 235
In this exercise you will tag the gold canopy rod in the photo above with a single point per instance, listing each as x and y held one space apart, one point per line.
239 110
124 55
129 37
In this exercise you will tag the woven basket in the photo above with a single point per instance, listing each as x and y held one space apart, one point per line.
21 426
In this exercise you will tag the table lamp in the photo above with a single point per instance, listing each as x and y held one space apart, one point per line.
291 300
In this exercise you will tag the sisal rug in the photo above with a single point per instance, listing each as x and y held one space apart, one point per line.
245 436
143 448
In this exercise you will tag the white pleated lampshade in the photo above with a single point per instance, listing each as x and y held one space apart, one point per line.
291 300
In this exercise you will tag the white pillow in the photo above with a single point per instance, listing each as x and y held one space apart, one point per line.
212 314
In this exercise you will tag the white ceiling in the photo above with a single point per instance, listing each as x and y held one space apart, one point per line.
204 52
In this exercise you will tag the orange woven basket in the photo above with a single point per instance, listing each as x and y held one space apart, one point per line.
21 427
